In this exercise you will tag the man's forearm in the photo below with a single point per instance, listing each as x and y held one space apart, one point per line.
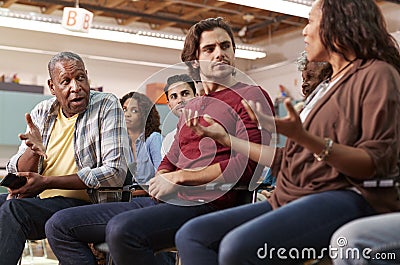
162 171
195 177
68 182
28 162
262 154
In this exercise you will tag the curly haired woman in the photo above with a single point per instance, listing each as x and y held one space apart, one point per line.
143 124
345 135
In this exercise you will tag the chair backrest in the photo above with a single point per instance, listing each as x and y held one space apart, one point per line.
126 193
112 194
244 196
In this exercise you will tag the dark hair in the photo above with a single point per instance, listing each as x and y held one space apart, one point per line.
179 78
324 71
192 42
357 26
63 56
147 111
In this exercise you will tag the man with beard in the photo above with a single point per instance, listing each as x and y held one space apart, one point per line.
136 230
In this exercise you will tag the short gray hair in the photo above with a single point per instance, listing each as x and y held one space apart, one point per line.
63 56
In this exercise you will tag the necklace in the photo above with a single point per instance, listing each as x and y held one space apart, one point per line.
340 71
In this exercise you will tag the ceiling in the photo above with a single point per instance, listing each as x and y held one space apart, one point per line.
250 25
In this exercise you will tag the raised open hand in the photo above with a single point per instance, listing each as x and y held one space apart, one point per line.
214 130
254 109
291 125
32 137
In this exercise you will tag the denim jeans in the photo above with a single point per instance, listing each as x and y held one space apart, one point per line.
369 240
22 219
133 230
253 234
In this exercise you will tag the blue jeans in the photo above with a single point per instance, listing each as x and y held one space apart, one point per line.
253 233
22 219
133 230
369 240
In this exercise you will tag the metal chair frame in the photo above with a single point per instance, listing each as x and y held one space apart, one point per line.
28 244
251 197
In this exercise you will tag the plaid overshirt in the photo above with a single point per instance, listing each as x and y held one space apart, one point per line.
101 140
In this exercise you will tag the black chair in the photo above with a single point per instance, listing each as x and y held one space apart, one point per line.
113 194
134 190
245 196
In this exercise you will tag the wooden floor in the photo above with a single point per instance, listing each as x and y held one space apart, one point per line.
34 254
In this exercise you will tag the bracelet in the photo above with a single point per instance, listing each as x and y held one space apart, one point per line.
323 156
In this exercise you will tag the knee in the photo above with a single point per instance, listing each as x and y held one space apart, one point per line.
231 250
53 224
6 207
15 210
116 230
12 206
183 235
348 236
190 233
58 223
3 198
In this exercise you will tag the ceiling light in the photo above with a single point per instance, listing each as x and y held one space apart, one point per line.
249 54
51 24
298 8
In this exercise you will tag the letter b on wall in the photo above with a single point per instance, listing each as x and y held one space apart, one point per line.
77 19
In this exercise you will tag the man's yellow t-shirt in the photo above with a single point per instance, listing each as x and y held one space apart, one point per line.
60 157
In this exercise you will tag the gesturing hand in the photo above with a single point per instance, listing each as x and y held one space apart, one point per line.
213 130
291 125
254 109
33 138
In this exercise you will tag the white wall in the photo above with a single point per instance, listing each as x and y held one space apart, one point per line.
286 74
5 153
118 67
391 11
116 77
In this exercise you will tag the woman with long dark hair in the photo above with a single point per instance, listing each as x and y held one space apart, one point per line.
143 124
348 135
